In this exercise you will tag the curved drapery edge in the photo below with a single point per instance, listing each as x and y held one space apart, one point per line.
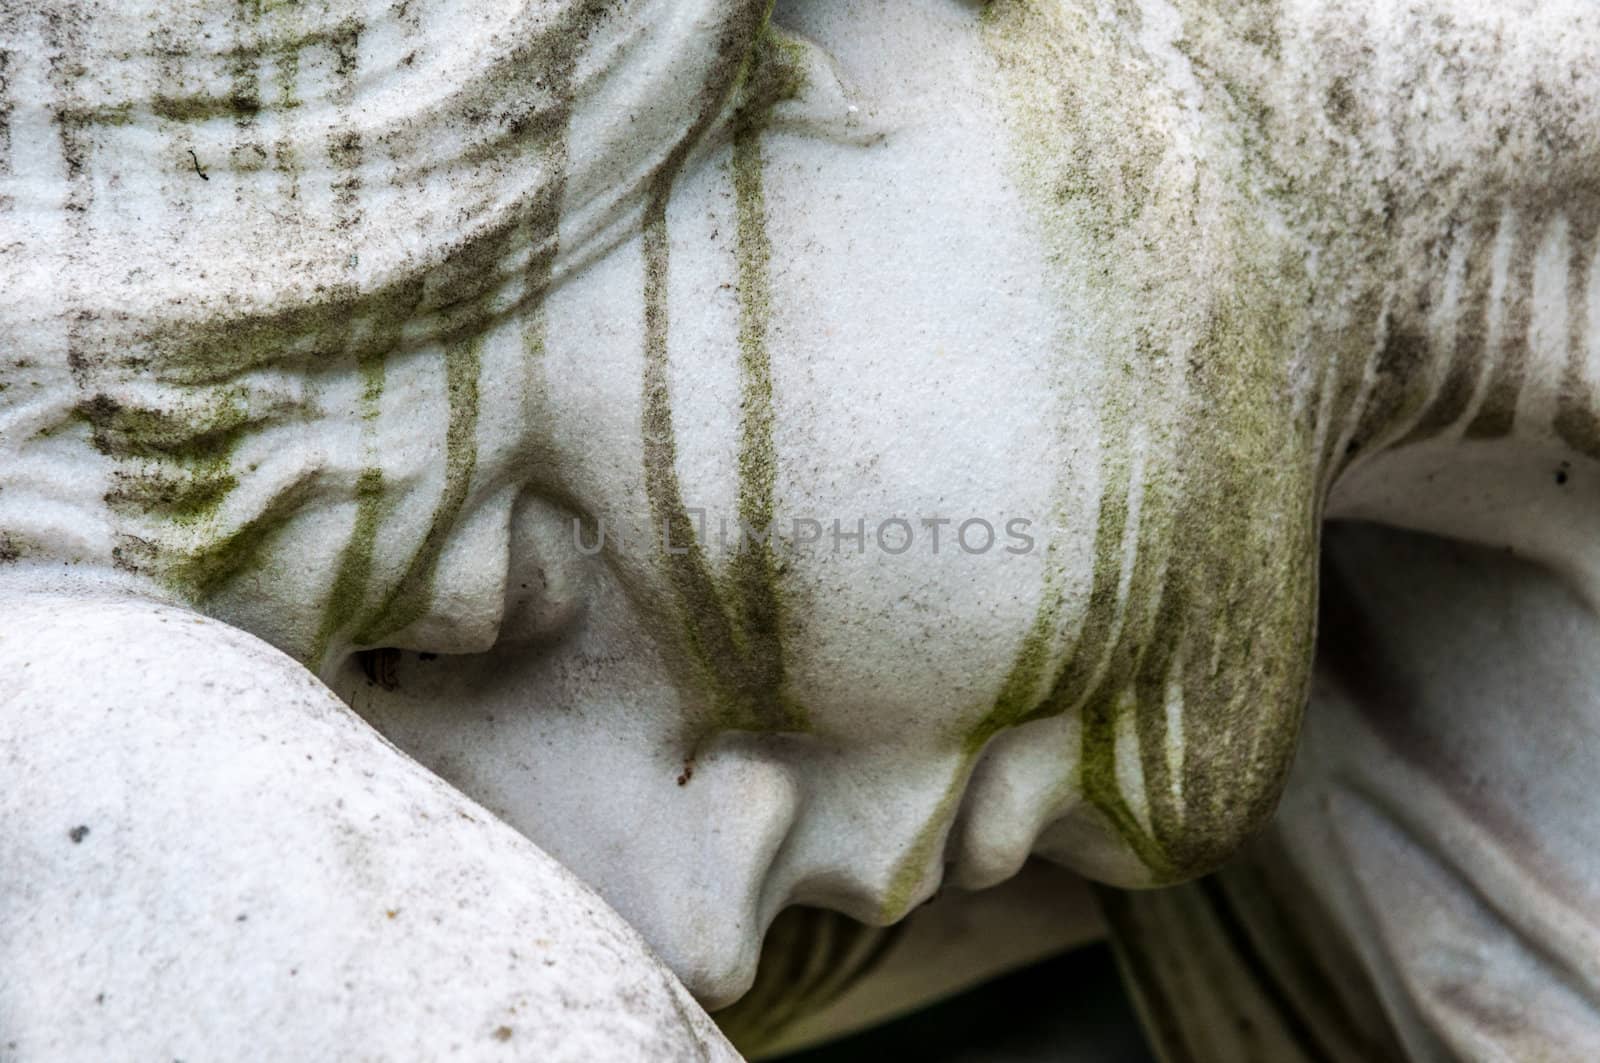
1429 887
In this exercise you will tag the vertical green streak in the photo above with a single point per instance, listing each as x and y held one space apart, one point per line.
1095 641
204 571
1119 691
355 562
756 605
410 597
1576 421
1098 772
736 642
1100 650
553 58
347 593
1019 694
284 157
345 149
372 367
706 626
244 100
757 466
742 662
1163 647
1096 652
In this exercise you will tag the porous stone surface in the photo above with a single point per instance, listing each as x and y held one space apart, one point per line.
208 856
782 455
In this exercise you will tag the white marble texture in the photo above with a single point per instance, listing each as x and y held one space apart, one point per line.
323 325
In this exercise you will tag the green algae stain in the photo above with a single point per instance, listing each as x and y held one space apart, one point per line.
174 464
453 304
1098 779
756 603
183 498
912 870
13 547
1218 598
199 434
408 600
539 227
202 571
735 635
757 462
190 109
195 431
1022 692
372 366
347 595
774 73
1019 693
738 661
1021 699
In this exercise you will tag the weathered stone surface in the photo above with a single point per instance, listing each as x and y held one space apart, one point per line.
455 350
208 856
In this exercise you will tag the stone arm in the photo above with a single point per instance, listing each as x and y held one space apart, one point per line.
209 856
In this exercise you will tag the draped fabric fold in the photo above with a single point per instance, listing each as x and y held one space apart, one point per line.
1429 888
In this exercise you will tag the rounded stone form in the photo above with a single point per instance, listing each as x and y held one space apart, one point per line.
208 855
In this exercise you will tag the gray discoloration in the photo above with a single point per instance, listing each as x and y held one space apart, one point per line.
6 201
1454 393
1497 413
1467 372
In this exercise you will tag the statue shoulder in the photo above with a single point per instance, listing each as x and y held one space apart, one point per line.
75 662
193 829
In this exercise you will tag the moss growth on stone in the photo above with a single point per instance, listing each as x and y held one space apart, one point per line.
184 498
1215 609
203 570
347 594
408 600
912 870
734 636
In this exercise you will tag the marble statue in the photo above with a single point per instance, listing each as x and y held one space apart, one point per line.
501 501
